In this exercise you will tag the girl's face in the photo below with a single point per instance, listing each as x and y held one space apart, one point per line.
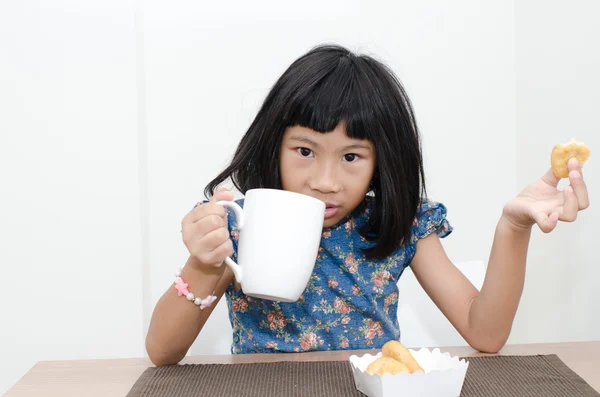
330 167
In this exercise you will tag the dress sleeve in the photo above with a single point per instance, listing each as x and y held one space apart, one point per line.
431 218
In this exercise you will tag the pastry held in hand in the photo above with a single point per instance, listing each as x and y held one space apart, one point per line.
386 365
562 153
399 352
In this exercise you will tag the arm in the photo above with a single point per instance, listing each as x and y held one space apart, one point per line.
176 322
485 318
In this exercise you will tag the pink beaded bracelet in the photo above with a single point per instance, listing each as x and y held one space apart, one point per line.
182 289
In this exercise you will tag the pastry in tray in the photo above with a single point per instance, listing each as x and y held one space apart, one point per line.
396 358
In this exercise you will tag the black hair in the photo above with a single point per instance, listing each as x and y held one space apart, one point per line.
327 85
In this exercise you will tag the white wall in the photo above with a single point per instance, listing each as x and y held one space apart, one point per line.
114 115
69 192
558 98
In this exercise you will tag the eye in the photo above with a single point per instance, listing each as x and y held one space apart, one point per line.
304 152
350 157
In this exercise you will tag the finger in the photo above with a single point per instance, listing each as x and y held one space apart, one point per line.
545 222
223 251
199 229
202 209
208 224
188 218
201 212
574 165
211 241
571 206
222 193
550 178
580 189
217 256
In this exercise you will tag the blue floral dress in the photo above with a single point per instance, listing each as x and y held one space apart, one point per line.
349 303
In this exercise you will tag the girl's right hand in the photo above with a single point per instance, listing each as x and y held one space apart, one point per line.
204 231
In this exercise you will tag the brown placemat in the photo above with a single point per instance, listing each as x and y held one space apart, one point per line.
502 376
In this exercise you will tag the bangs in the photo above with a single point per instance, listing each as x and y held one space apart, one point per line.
343 91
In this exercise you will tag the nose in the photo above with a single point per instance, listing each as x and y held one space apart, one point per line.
325 180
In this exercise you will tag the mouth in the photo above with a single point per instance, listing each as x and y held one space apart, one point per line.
331 209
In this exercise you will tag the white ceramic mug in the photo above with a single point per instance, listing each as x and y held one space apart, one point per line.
278 243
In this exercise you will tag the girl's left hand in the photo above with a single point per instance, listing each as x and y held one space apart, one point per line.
544 204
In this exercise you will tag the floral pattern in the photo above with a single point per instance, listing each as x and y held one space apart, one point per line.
349 303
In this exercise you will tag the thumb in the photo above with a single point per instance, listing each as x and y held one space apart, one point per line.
222 194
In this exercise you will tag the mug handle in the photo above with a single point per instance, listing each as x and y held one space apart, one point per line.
239 216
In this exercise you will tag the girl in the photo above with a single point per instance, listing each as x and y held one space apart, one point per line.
339 127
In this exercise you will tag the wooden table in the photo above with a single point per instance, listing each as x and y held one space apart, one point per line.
116 377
